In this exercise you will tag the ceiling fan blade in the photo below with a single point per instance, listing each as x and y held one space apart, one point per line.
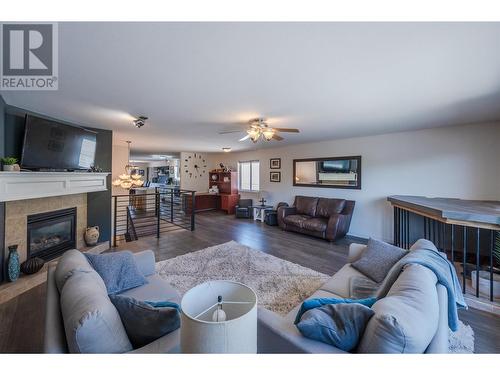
244 138
287 130
277 137
231 131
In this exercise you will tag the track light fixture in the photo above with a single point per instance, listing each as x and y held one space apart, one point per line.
140 122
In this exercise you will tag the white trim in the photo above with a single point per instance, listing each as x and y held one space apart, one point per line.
28 185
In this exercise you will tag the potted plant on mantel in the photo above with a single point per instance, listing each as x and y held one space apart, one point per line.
10 164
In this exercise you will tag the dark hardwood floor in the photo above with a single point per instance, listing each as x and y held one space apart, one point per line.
21 319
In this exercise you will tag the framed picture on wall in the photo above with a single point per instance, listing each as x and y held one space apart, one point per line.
275 163
275 176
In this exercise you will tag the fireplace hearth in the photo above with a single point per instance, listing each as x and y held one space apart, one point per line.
51 233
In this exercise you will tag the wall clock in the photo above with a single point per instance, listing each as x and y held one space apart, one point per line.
194 165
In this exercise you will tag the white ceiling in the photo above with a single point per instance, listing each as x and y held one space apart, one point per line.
331 80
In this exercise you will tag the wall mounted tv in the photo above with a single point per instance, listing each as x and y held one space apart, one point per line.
50 145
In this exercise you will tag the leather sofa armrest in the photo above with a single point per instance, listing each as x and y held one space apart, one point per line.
145 261
338 225
284 212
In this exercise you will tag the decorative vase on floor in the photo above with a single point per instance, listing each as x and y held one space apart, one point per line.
13 263
91 236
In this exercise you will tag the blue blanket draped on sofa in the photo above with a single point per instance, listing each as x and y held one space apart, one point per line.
444 271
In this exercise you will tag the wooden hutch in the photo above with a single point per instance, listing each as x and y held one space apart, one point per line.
227 182
225 200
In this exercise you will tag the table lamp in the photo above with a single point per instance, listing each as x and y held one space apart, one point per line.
219 317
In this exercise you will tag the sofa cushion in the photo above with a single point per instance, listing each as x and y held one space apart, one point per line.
362 287
340 283
329 206
71 260
340 325
296 220
306 205
155 290
316 224
91 322
378 259
406 320
144 322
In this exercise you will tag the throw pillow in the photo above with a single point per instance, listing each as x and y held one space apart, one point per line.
378 259
118 270
340 325
145 322
313 303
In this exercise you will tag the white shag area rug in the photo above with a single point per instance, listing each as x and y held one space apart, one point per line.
280 285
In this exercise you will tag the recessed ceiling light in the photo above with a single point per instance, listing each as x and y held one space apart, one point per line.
226 149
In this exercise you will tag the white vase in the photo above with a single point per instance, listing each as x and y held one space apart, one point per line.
91 236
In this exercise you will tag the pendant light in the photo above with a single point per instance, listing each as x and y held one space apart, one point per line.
130 178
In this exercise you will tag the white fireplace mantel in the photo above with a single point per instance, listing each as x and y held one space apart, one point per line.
28 185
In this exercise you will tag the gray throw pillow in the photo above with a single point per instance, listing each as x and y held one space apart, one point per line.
145 322
118 270
341 325
378 259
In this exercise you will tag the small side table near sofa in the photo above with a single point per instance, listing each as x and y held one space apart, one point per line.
259 212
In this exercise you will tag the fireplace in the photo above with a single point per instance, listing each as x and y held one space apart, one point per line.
51 233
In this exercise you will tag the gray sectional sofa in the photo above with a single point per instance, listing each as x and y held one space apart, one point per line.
80 317
412 318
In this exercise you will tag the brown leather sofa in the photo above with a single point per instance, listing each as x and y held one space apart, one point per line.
327 218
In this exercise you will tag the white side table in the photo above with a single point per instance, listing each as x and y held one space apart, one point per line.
259 212
237 334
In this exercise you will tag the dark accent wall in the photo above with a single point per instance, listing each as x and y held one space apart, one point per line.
98 203
2 204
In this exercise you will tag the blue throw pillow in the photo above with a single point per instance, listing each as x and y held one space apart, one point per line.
118 270
313 303
145 321
340 325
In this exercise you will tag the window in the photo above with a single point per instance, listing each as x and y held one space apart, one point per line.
248 172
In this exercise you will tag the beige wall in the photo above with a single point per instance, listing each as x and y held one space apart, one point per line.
200 183
16 218
120 159
459 162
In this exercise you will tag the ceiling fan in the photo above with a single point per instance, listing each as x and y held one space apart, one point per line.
258 128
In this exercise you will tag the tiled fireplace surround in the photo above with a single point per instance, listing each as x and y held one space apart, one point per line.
16 214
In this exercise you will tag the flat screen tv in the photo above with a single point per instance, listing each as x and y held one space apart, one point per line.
50 145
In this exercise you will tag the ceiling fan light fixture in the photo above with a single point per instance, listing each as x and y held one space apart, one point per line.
226 149
268 134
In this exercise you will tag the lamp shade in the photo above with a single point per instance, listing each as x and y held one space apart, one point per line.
236 334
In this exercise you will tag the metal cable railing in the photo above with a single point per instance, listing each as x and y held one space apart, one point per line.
143 213
471 249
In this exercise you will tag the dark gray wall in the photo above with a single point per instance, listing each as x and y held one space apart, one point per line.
99 203
2 204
